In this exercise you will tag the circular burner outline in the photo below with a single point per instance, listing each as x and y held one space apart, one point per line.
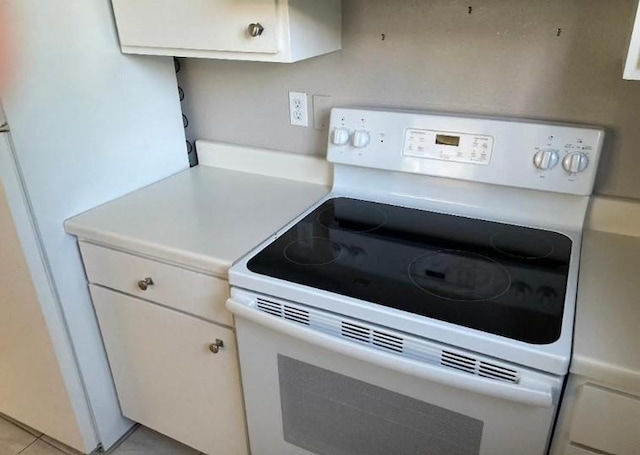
336 204
333 242
551 248
469 253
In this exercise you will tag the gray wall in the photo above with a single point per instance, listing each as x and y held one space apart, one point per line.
504 58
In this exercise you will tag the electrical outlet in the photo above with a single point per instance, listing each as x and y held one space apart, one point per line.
298 109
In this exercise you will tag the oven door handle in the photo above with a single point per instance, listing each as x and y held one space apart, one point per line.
434 373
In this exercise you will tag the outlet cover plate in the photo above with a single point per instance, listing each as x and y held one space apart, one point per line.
298 109
321 112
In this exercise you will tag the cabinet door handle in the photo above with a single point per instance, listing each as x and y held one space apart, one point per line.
215 347
144 284
255 29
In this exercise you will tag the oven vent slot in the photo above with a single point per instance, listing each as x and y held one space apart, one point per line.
387 341
478 367
296 315
272 308
374 337
283 311
355 332
458 361
407 346
492 371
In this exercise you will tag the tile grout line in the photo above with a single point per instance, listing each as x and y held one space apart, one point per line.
62 452
44 441
32 431
28 445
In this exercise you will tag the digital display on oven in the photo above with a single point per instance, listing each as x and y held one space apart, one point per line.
448 146
442 139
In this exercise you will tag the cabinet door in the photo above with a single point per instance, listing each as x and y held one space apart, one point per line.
220 25
166 376
607 420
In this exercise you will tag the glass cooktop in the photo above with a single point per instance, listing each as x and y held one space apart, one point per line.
499 278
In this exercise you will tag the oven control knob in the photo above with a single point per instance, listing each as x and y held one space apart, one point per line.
360 139
546 159
575 162
340 136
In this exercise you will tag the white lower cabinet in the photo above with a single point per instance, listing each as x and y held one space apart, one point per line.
171 286
596 419
168 376
607 420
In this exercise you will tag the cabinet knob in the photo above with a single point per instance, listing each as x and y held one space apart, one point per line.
255 29
144 284
215 347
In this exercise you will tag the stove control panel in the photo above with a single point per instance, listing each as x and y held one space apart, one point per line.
525 154
448 146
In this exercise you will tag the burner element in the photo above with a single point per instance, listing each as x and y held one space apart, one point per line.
351 215
313 251
459 275
522 245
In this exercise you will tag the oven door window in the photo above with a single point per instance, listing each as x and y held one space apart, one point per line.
328 413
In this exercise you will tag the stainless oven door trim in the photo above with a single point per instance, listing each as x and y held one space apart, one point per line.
542 395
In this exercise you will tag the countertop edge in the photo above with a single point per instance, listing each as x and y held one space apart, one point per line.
614 215
198 263
612 375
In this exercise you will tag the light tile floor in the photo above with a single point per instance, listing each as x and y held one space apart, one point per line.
16 440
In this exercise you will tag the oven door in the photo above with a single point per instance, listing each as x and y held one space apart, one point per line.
308 392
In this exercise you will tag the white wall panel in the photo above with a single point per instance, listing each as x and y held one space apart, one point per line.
88 124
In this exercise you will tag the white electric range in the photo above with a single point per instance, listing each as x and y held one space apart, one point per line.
426 305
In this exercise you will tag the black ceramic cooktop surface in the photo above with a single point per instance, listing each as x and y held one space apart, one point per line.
499 278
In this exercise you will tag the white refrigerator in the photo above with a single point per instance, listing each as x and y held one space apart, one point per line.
86 124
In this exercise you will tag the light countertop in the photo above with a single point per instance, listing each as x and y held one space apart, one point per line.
607 333
204 218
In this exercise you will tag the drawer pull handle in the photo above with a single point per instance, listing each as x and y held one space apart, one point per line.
144 284
215 347
256 29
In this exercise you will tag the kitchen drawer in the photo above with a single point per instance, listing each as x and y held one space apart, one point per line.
175 287
166 375
606 420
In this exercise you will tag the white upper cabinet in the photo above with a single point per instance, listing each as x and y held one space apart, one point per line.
214 25
632 64
259 30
